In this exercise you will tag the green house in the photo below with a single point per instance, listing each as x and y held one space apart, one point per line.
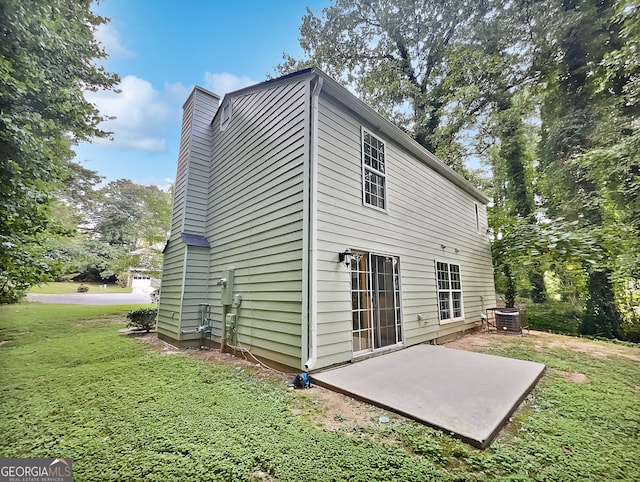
310 231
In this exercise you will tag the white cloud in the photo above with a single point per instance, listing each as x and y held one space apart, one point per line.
177 93
107 35
140 113
163 184
224 82
142 116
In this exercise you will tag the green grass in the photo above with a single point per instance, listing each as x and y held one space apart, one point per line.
68 287
72 387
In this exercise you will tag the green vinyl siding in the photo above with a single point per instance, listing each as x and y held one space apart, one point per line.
423 212
185 271
170 304
255 217
247 189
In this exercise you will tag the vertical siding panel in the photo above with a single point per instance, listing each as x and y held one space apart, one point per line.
205 107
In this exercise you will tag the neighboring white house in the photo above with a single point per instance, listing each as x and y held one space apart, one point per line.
316 230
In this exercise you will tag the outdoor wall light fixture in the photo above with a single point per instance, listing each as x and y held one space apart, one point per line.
444 246
345 257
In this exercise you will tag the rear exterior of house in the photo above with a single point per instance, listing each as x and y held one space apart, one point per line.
317 231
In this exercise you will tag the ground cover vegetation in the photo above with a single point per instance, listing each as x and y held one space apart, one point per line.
545 95
124 410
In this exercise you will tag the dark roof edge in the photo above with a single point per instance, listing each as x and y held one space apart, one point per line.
399 136
367 112
196 240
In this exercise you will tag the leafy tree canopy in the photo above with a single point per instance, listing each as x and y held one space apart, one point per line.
546 92
431 67
48 60
116 226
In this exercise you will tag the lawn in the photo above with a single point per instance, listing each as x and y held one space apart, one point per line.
122 410
68 287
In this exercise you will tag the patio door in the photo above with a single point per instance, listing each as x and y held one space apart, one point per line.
375 302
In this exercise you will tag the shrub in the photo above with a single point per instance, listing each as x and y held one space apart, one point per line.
155 296
143 318
555 316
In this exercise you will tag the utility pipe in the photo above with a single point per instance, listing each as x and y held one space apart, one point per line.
313 231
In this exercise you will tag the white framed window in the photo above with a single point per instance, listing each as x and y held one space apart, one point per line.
477 209
374 177
449 288
225 116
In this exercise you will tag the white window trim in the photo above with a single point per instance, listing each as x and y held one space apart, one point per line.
450 291
375 171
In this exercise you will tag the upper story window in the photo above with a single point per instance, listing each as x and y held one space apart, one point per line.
374 178
449 292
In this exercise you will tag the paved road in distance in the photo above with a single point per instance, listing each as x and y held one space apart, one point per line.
93 299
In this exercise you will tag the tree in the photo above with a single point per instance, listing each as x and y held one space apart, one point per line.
465 78
119 225
578 103
520 244
512 166
129 214
155 225
47 61
119 209
432 67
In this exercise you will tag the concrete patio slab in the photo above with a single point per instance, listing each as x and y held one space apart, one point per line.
469 394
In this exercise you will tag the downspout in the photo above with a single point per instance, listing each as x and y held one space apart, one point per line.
182 290
313 231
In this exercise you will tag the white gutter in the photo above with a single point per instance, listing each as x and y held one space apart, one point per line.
313 234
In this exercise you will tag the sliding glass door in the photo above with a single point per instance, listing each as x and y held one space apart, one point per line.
375 299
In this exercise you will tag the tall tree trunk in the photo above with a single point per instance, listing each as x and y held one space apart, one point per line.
602 317
538 288
519 195
510 292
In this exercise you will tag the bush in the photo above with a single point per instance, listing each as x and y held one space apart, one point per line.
143 318
555 317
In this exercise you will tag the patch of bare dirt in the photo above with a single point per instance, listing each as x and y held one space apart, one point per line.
544 341
334 411
472 341
574 377
593 348
152 338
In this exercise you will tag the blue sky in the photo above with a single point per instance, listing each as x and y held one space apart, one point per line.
161 49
